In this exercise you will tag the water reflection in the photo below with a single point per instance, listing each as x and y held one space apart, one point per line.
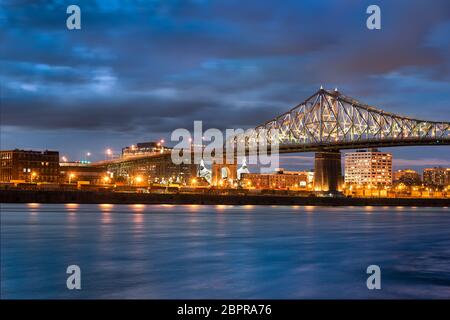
105 209
193 208
153 251
138 207
33 208
138 218
72 206
33 205
106 206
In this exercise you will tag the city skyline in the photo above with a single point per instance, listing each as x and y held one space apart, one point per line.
120 80
249 153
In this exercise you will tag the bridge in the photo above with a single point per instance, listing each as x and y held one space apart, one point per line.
329 121
325 123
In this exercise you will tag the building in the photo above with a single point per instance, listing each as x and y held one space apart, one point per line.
146 163
146 169
29 166
143 149
280 179
71 172
408 177
368 167
436 177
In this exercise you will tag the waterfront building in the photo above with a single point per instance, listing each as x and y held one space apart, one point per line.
71 172
144 169
408 177
29 166
280 179
368 167
436 177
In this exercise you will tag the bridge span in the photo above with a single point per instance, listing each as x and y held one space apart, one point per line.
329 121
325 123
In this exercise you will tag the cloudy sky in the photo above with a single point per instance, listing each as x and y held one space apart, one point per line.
139 69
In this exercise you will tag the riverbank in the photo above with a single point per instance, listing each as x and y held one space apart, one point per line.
31 196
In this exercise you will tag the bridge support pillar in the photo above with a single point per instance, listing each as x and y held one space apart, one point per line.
327 171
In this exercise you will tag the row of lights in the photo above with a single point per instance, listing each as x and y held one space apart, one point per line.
106 179
400 187
108 151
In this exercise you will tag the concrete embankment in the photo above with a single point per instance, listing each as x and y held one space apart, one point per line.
28 196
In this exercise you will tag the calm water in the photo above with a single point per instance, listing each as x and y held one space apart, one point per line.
162 251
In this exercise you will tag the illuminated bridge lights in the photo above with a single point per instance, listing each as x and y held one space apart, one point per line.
331 120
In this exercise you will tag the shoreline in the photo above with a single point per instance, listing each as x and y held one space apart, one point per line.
91 197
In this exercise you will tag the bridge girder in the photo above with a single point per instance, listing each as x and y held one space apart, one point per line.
329 120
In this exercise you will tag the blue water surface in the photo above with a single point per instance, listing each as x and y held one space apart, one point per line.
189 251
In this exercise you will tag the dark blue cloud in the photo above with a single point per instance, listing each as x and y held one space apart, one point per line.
139 69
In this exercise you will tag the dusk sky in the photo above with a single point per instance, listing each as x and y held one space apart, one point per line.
137 70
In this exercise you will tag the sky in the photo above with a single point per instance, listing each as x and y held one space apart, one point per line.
137 70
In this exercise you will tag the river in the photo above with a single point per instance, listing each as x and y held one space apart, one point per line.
192 251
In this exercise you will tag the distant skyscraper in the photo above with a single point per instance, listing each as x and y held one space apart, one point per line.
368 167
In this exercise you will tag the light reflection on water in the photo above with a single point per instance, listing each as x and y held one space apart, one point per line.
193 251
137 207
72 206
106 206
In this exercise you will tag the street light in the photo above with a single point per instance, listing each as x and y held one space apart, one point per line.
105 179
71 176
109 152
138 179
33 175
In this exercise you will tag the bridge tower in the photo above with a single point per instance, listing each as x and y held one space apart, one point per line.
327 171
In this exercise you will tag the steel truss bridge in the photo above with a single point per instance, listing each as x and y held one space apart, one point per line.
325 123
329 120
